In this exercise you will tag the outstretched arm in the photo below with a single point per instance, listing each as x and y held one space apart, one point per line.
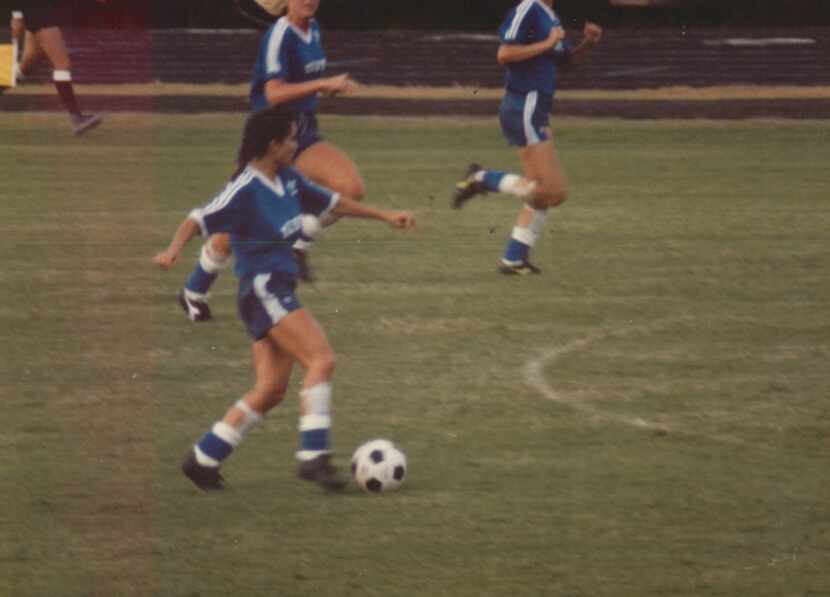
186 230
355 209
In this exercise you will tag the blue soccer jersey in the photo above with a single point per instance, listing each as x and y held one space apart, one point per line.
292 55
529 22
263 218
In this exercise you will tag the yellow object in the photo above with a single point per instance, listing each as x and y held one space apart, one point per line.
274 7
8 65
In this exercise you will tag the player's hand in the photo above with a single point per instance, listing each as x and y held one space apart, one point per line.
557 34
400 219
592 32
165 259
339 84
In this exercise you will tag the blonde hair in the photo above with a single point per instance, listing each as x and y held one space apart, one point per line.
274 7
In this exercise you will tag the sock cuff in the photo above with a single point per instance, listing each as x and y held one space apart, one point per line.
211 261
524 236
62 76
317 399
252 417
309 422
227 434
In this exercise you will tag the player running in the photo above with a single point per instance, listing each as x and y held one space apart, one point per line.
533 47
39 22
262 211
288 72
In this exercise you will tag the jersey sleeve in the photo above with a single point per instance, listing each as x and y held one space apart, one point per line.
276 48
315 199
529 24
226 213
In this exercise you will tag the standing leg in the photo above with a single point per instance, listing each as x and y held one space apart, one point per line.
299 334
50 40
330 167
542 166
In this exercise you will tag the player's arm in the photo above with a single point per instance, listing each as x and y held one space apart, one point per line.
355 209
592 33
278 91
519 52
186 231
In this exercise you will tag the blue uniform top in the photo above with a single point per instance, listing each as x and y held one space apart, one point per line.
529 22
292 55
263 218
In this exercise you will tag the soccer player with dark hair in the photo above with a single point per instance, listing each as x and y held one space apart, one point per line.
533 47
36 22
289 71
262 210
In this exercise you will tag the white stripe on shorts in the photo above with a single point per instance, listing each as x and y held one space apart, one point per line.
269 301
530 108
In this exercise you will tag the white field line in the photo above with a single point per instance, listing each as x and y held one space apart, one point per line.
535 377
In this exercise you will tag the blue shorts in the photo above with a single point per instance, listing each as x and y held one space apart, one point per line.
524 117
308 133
263 300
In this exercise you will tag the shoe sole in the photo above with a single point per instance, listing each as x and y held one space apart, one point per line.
87 126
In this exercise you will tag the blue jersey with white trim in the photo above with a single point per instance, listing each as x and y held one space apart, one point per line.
289 54
530 22
263 217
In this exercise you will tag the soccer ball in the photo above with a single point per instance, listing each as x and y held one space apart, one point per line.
379 465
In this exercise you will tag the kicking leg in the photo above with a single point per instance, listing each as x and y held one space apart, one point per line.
273 371
214 257
50 40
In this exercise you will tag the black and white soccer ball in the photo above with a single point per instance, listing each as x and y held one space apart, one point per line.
379 465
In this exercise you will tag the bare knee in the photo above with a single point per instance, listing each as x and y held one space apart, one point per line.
323 363
355 189
220 244
547 196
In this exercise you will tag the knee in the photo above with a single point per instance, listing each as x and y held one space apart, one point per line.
547 196
220 245
324 363
355 189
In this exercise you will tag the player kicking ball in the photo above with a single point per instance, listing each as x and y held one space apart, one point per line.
262 210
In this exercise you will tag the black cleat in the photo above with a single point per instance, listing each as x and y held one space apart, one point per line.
196 310
304 265
84 123
321 470
206 478
525 268
468 187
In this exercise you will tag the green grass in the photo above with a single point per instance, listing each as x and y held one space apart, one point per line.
673 439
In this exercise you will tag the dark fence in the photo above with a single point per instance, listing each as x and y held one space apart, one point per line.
627 59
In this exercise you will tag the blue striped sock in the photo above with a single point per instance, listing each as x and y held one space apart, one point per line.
200 281
516 251
492 180
218 443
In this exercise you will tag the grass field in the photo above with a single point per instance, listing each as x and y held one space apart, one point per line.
648 418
